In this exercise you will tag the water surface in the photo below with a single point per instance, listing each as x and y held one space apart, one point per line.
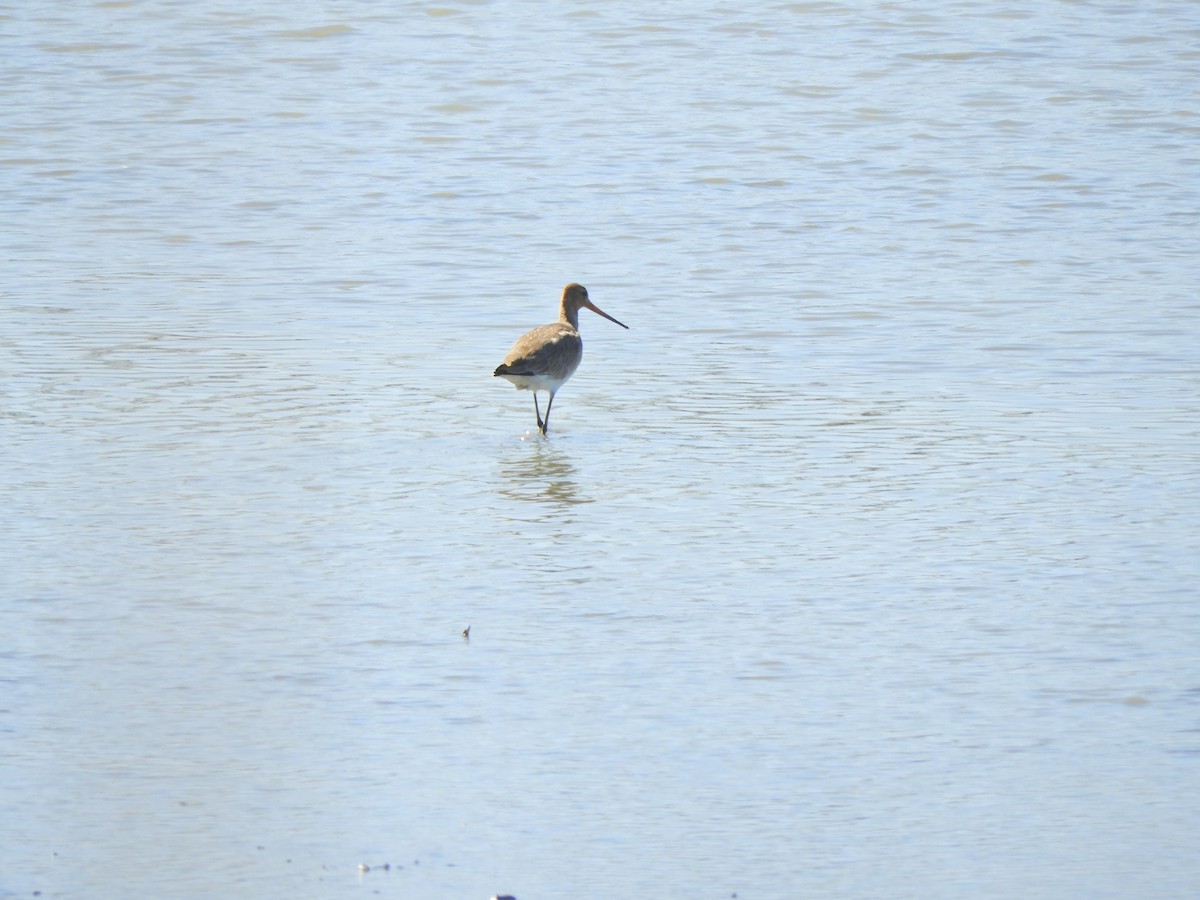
863 565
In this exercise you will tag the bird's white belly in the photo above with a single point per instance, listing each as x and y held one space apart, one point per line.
535 382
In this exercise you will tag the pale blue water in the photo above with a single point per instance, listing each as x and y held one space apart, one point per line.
864 565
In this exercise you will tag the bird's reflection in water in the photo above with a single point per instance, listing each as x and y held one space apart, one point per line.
541 474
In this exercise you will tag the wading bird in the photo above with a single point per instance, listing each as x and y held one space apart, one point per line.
543 359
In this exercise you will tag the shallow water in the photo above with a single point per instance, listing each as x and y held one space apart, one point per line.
863 565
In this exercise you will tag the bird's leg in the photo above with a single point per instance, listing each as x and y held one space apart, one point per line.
537 412
549 403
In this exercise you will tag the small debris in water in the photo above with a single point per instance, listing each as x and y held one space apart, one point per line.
385 867
467 633
504 897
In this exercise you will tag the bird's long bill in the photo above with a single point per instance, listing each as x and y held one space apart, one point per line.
594 308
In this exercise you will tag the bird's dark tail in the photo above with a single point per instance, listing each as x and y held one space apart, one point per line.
504 369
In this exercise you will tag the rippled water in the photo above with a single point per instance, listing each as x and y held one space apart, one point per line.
865 564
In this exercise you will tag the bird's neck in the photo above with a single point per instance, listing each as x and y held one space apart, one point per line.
569 316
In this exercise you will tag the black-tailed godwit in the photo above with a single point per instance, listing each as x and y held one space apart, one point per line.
543 359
